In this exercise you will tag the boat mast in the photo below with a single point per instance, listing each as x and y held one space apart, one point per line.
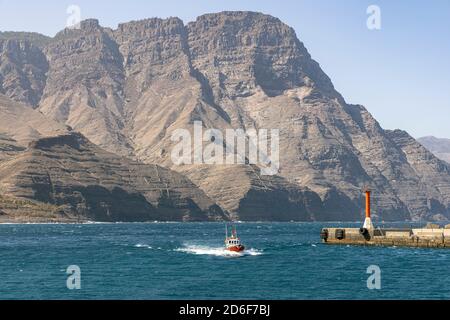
226 231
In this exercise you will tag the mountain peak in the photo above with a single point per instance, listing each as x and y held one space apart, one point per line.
150 22
86 26
150 27
35 38
89 24
238 15
438 146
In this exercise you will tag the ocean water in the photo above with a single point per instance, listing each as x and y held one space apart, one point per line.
186 261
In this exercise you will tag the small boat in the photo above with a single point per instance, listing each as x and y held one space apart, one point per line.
233 243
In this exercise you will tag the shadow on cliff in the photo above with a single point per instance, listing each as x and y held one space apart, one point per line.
115 205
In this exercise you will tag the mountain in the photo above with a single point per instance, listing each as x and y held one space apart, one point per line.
438 146
129 89
23 67
87 183
34 38
23 124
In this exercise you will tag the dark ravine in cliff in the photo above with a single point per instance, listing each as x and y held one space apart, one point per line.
128 89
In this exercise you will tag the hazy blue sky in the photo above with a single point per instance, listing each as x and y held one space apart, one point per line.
401 73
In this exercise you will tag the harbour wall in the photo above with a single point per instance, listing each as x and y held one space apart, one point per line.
429 237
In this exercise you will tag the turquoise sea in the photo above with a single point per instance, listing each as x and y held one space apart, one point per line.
186 261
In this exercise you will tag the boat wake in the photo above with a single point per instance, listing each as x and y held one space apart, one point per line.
218 252
140 245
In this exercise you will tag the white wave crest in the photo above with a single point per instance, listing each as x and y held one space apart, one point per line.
217 251
140 245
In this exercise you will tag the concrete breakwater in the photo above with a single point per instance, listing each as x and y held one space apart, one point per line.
431 236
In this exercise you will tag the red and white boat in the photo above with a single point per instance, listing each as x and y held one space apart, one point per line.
233 243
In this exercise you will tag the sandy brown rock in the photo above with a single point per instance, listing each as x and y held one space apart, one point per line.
23 124
8 147
17 210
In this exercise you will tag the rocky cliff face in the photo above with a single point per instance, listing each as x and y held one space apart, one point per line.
243 53
21 123
431 176
85 85
86 182
439 147
23 68
128 89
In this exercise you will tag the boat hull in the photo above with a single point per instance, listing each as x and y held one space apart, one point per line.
236 248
